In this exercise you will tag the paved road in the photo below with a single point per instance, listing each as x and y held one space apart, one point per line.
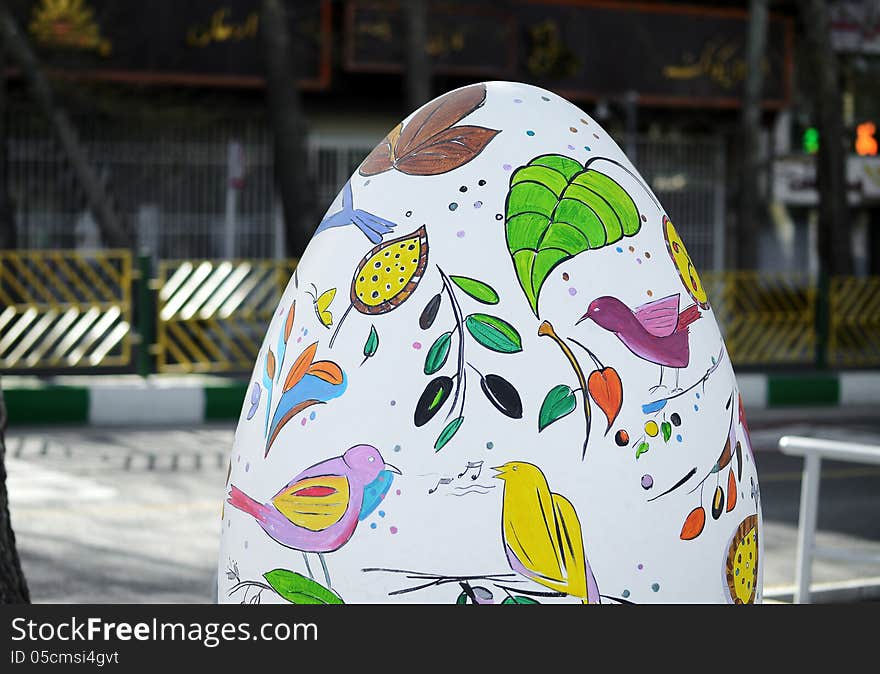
127 515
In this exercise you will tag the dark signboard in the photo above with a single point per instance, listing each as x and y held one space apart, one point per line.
667 54
172 41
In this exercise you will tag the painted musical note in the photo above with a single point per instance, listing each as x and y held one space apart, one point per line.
443 480
471 465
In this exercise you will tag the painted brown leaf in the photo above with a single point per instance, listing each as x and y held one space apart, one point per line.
731 491
270 364
382 157
446 151
439 115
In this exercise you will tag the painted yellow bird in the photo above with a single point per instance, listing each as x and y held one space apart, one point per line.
542 533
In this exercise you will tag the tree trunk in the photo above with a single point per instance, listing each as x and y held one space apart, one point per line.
13 587
418 68
749 230
113 232
835 248
288 128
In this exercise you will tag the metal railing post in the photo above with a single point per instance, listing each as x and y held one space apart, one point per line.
807 527
146 316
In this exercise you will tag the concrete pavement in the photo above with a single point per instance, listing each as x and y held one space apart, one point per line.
132 515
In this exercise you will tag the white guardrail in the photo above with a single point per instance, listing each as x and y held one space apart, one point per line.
813 450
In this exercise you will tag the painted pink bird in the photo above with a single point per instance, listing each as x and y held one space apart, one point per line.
319 509
655 331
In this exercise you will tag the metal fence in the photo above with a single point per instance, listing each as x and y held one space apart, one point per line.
171 182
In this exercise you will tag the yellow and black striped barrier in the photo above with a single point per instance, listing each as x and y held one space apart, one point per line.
766 318
72 310
65 309
212 314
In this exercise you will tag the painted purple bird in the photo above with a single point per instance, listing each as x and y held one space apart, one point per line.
655 331
319 509
373 227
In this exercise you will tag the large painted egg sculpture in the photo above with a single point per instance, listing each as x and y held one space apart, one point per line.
494 378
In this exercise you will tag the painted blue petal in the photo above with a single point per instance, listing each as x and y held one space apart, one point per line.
647 408
375 492
309 387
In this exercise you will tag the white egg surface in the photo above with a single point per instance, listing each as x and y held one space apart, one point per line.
494 378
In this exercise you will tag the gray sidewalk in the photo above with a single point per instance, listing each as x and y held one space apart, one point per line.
133 515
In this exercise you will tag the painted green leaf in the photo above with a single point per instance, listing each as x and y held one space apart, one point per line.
558 402
371 345
666 430
642 448
297 589
494 333
447 433
557 208
519 599
477 289
438 352
462 598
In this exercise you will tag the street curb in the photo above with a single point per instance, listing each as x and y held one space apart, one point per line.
157 400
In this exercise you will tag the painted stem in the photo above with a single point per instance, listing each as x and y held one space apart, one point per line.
701 380
461 381
339 325
546 330
633 175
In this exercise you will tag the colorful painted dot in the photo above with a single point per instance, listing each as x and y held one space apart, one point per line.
506 167
650 293
644 218
228 523
647 255
651 428
517 100
393 403
698 396
393 530
571 147
463 188
498 216
481 182
460 234
595 135
247 467
397 492
565 276
647 481
305 332
696 408
417 345
640 567
478 204
530 133
490 445
299 339
624 594
367 183
655 587
544 98
639 260
621 438
678 437
245 545
396 448
572 129
583 121
372 525
312 416
572 291
238 459
619 249
675 419
381 513
587 148
302 422
408 213
453 206
631 249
